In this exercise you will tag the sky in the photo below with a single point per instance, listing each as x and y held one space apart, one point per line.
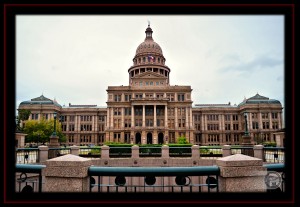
224 58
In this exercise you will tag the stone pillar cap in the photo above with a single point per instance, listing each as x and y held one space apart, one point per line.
69 160
239 160
226 146
135 146
43 147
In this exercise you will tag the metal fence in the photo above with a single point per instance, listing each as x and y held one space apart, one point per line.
27 155
154 179
274 154
29 178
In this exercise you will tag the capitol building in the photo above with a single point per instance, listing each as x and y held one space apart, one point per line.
151 111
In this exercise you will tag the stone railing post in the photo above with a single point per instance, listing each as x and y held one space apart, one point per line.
195 152
74 150
135 150
226 149
241 173
165 151
43 153
104 152
259 151
67 173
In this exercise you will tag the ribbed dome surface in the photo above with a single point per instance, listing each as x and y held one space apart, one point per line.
148 46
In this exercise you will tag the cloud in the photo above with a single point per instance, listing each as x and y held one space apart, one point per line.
263 62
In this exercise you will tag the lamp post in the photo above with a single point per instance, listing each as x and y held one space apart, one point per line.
246 124
54 131
53 139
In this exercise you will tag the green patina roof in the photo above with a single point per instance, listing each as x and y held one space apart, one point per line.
259 99
41 100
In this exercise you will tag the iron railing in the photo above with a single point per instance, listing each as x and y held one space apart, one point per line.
154 179
274 154
29 178
275 178
27 155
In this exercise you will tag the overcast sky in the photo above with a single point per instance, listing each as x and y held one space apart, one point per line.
224 58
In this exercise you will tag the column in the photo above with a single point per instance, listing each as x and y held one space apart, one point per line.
143 115
166 116
176 118
220 123
202 122
187 118
270 122
205 122
191 119
122 119
112 117
250 122
132 116
259 121
279 120
108 118
154 121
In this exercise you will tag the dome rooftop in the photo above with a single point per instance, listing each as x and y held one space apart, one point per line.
148 46
257 99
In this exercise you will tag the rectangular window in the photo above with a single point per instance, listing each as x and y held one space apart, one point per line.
254 125
72 118
235 117
170 96
180 97
127 111
227 117
127 97
274 115
118 98
227 126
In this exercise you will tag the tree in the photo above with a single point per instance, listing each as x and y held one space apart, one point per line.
182 140
23 115
40 131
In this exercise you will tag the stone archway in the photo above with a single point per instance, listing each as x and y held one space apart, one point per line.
149 138
160 138
138 138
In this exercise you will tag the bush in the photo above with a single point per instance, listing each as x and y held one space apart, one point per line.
182 140
269 144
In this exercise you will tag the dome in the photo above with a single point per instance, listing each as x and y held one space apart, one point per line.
148 46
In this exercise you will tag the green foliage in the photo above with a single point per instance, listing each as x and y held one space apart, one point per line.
40 131
95 150
182 140
24 114
269 144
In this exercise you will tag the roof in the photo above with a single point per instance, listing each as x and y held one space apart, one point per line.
259 99
41 100
214 105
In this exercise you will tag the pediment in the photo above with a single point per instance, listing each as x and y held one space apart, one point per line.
149 74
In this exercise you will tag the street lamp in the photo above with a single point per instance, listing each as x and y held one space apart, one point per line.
54 116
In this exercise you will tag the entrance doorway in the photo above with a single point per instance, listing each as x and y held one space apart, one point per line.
138 138
160 138
149 138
